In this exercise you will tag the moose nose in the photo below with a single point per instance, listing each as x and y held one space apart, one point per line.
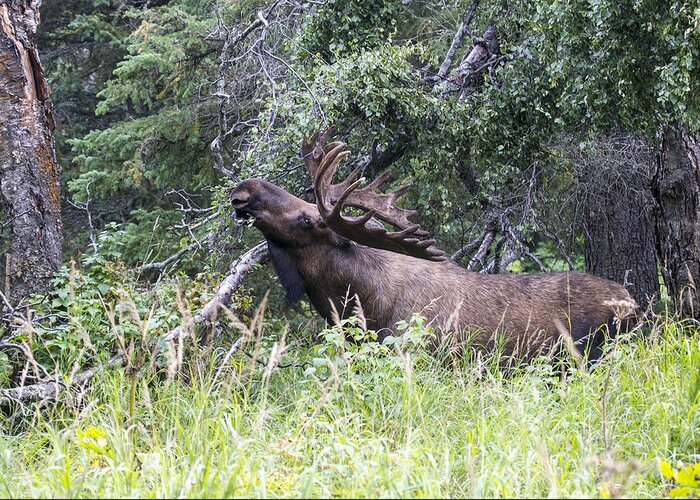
239 200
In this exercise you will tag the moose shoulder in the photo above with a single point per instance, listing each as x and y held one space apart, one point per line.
333 257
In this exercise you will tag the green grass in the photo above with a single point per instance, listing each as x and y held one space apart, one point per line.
374 425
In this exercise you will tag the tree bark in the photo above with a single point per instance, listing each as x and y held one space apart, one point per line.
618 224
29 184
677 191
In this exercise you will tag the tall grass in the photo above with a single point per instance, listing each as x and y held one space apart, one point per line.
363 421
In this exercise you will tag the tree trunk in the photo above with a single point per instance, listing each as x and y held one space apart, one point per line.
677 192
618 222
29 186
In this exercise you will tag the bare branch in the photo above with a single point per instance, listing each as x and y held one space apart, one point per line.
303 82
466 249
246 56
160 266
481 253
49 391
10 309
457 41
238 271
86 207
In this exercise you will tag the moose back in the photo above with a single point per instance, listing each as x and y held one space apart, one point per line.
331 257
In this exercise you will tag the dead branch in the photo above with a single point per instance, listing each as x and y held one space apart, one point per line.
467 249
160 266
10 309
483 47
239 269
481 253
85 206
561 247
237 55
456 41
49 391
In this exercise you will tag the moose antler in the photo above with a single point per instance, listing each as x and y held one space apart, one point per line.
322 164
312 150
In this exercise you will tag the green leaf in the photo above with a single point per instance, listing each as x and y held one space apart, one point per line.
666 470
689 476
682 492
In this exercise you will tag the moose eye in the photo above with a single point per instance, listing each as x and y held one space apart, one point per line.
305 221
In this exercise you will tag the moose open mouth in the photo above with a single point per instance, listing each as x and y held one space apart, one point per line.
243 215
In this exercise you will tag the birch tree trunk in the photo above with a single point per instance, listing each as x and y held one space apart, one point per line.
29 185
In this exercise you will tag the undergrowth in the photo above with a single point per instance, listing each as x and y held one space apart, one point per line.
285 416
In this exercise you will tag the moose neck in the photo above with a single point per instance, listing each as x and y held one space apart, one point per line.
287 271
332 272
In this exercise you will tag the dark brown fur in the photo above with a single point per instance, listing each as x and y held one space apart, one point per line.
530 311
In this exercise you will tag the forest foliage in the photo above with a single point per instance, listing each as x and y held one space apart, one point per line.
159 100
161 107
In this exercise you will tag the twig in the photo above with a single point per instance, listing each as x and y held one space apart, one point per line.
537 261
86 206
560 245
303 82
163 264
6 222
462 252
26 351
7 304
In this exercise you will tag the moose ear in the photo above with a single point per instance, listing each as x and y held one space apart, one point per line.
335 238
287 272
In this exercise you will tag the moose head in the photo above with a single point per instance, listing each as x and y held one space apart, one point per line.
281 216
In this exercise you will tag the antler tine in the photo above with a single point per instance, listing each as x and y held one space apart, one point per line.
324 175
331 159
332 198
338 206
345 183
403 189
385 203
311 151
362 220
404 232
307 154
378 181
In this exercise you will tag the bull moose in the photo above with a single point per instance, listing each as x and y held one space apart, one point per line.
330 256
